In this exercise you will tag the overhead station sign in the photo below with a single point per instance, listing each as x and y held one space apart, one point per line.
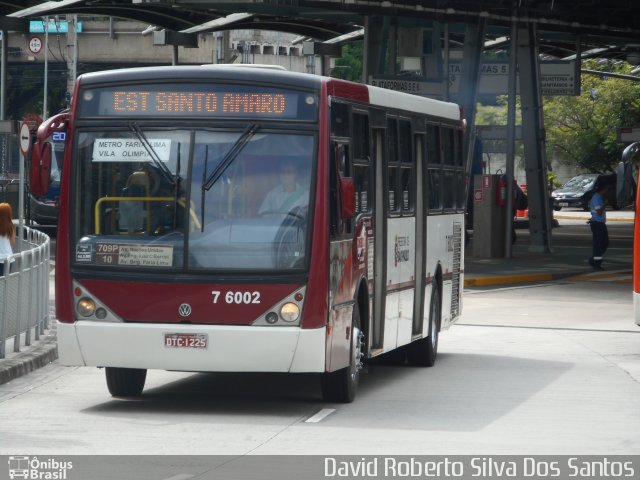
53 27
556 78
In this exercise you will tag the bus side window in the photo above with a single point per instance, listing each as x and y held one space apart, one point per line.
361 162
394 198
340 167
407 183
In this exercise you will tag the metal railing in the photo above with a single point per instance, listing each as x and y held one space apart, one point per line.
24 292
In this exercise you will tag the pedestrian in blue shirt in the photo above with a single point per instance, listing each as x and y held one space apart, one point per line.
598 224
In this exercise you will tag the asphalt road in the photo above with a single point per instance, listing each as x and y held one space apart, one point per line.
545 369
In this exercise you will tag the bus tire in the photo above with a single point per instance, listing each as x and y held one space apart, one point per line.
423 352
125 382
341 385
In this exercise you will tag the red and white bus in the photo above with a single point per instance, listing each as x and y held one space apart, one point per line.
237 219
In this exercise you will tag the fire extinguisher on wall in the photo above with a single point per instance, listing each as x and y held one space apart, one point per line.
501 192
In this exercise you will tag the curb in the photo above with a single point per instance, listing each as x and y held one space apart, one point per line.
585 218
516 279
22 363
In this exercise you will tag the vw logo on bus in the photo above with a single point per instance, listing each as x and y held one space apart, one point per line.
184 310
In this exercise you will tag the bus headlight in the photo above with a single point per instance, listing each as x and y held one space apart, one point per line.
290 312
86 307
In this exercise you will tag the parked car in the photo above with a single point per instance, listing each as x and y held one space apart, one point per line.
578 191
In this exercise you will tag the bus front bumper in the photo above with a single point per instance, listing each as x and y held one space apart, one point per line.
229 348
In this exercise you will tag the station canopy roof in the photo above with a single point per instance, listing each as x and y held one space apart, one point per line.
608 28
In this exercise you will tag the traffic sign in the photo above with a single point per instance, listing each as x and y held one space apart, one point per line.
25 138
35 44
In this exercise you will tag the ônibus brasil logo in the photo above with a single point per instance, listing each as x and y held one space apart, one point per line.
32 468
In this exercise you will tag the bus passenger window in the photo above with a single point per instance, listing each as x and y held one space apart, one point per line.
406 155
449 189
433 144
448 150
362 181
394 195
340 167
339 120
407 189
435 189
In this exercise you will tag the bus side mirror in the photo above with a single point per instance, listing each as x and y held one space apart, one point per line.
347 198
41 157
40 169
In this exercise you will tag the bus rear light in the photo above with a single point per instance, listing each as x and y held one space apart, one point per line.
290 312
86 307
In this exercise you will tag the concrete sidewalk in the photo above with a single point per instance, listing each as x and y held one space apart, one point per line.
567 259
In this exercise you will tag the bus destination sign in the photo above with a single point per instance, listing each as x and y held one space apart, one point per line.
189 100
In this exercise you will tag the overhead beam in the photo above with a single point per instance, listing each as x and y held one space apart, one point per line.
14 24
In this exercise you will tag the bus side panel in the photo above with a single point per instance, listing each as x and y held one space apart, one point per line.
315 312
349 264
401 250
341 307
64 297
441 242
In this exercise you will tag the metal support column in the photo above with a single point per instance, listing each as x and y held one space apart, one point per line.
534 140
3 74
373 47
471 60
511 133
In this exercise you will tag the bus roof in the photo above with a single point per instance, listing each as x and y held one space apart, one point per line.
251 74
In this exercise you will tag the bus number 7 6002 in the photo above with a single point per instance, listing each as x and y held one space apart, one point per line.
232 297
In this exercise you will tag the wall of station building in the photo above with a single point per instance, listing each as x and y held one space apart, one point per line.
107 43
112 41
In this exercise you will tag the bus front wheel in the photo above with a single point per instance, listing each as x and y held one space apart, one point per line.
341 385
423 352
125 382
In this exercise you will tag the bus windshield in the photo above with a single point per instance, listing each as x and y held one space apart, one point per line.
194 200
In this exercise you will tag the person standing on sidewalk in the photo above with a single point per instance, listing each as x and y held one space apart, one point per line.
7 234
598 224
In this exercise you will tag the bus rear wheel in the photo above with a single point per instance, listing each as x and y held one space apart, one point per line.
341 385
423 352
125 382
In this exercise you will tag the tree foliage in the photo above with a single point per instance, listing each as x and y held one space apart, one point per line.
349 66
583 129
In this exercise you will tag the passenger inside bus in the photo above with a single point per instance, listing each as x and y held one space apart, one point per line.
132 212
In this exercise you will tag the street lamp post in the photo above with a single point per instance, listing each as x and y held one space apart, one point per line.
46 68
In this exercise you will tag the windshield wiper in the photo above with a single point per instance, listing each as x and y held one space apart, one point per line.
230 156
152 153
202 190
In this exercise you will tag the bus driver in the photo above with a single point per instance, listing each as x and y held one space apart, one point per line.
287 194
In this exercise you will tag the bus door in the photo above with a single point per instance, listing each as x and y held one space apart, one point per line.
380 227
341 267
421 235
400 228
432 213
